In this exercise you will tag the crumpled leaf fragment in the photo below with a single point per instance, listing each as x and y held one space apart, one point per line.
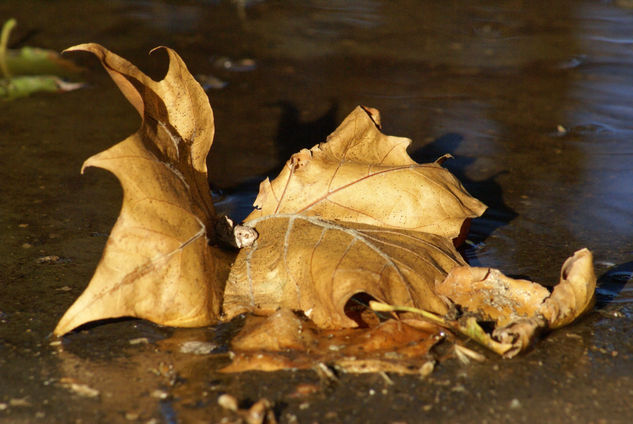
157 263
362 175
309 264
492 295
392 346
520 308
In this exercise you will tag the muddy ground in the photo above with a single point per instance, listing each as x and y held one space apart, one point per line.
534 100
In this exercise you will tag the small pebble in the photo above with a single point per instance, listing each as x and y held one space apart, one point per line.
427 368
52 260
83 390
64 288
210 82
238 65
459 388
131 416
160 394
304 390
227 401
291 418
19 402
515 403
197 348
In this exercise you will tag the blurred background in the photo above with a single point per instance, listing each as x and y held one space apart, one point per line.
534 99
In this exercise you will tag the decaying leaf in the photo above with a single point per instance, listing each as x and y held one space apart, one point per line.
392 346
491 295
157 263
309 264
362 175
521 308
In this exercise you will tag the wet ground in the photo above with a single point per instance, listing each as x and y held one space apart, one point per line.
534 100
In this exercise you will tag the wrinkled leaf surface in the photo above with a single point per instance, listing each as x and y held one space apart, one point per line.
309 264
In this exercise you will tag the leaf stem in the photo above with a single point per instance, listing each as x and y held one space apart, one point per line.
4 41
471 329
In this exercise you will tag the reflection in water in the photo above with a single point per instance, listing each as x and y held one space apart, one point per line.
604 90
146 378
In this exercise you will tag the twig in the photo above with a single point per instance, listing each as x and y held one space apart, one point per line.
471 329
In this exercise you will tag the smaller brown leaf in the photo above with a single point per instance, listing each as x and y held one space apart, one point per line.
362 175
520 308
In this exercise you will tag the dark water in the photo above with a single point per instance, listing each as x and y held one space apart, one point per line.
534 100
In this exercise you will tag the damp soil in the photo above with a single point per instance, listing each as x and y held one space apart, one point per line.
533 99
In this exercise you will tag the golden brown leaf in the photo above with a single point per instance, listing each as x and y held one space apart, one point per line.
362 175
313 265
520 308
157 263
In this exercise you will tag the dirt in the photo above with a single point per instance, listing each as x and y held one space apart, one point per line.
533 100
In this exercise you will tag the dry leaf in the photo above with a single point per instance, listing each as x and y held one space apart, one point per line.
157 263
361 175
520 308
392 346
309 264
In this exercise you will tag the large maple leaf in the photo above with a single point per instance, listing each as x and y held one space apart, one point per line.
157 263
